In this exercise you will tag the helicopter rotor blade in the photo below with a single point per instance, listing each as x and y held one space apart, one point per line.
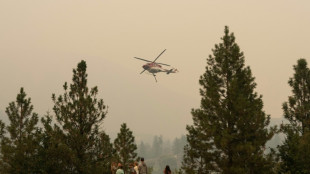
142 59
142 71
159 55
163 64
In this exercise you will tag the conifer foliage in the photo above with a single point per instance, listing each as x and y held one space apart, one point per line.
229 130
297 109
19 147
79 114
295 150
125 147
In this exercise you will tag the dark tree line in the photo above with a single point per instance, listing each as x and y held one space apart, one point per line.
73 144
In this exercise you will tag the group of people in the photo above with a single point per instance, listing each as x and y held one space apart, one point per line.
134 169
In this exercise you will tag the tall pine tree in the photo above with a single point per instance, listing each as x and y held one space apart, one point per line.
106 154
229 130
157 146
2 133
142 150
297 109
19 149
125 147
294 153
55 155
79 114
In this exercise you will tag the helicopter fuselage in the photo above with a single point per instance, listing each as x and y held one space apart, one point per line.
153 68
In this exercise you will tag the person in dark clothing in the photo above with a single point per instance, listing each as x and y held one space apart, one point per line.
167 170
142 167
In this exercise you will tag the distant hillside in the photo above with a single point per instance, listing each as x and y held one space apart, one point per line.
273 143
277 121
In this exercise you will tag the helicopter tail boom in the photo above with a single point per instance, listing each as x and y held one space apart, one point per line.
173 70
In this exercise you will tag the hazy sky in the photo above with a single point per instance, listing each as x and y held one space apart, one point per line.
42 41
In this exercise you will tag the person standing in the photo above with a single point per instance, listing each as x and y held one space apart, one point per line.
136 167
113 168
142 167
167 170
120 170
131 169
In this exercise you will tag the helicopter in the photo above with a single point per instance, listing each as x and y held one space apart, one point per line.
154 67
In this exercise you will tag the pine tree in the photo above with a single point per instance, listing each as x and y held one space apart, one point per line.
79 114
142 149
293 153
19 149
178 148
125 147
2 137
178 145
55 156
297 109
199 153
229 130
304 152
106 154
2 129
157 146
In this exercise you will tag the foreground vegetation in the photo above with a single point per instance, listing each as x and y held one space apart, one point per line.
229 132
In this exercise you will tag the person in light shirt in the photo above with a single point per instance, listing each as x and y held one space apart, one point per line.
120 170
136 167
